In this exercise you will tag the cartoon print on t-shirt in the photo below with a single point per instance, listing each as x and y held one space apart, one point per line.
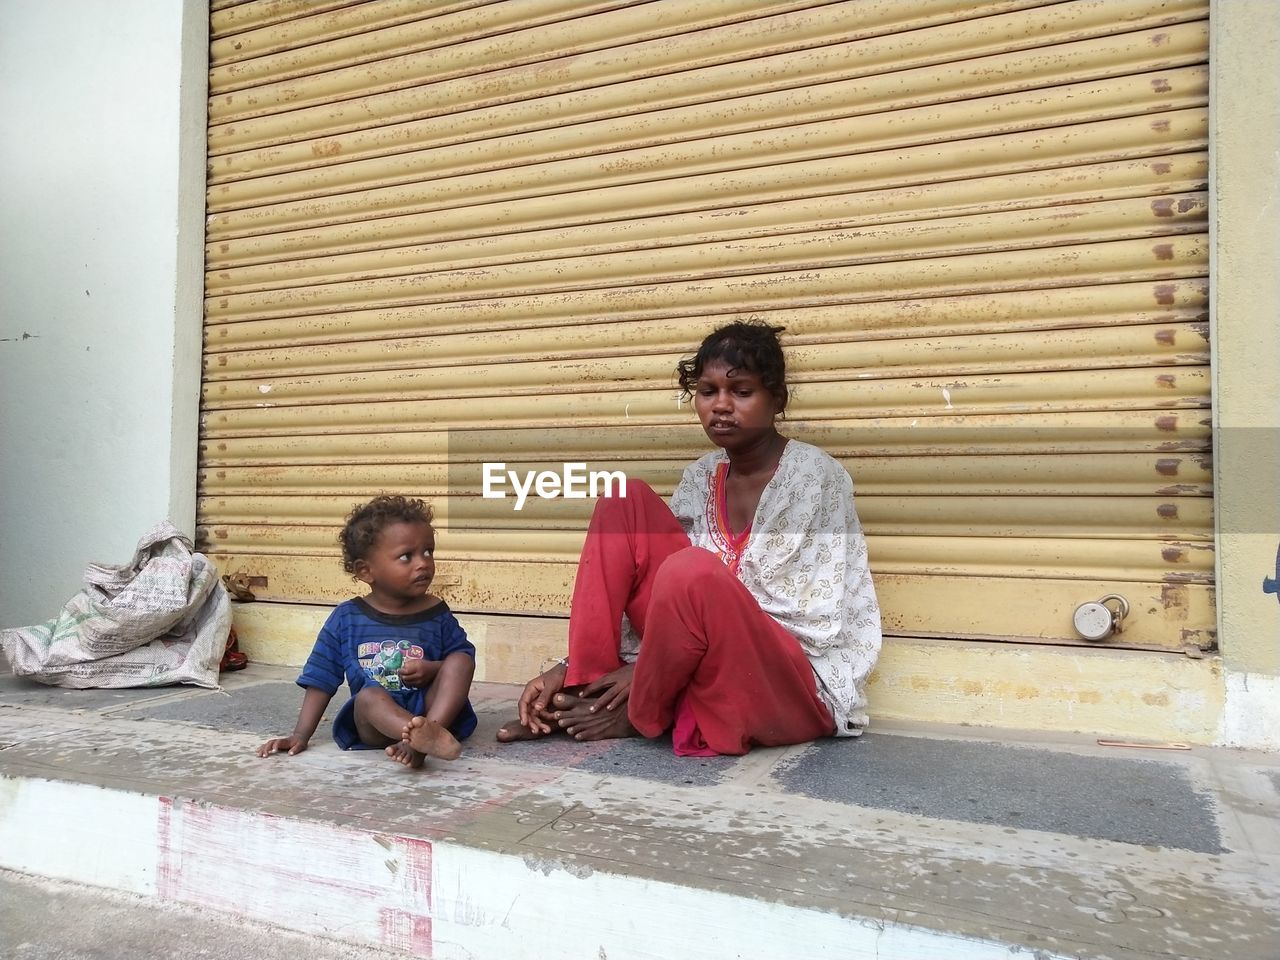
383 659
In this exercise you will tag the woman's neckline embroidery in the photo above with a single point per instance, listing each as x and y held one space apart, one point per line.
722 507
731 545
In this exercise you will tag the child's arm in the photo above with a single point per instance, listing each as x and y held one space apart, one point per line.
451 686
313 703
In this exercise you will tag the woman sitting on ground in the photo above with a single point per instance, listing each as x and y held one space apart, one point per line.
741 615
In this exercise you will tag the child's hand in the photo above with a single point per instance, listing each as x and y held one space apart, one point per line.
292 744
417 673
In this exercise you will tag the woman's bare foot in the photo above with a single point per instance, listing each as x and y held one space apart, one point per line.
513 731
533 722
403 752
579 718
431 737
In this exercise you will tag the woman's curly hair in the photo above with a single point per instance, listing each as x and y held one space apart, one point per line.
749 345
366 522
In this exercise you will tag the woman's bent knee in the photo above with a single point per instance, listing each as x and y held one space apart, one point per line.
696 561
617 497
688 570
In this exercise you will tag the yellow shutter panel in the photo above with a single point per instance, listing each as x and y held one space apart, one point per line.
447 234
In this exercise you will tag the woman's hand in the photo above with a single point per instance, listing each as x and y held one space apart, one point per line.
537 695
613 688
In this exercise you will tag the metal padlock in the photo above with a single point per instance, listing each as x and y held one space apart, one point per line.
1096 621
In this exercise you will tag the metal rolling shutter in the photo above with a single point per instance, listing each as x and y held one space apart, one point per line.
457 232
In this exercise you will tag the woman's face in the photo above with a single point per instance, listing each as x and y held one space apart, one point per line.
735 408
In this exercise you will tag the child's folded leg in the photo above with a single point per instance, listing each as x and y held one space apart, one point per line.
380 722
429 734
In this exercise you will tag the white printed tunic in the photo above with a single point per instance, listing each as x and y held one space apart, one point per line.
804 561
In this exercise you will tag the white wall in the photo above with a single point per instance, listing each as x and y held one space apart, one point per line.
102 113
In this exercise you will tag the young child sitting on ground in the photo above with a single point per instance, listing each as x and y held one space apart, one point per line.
406 659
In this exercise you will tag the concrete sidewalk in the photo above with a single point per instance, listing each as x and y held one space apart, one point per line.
910 843
116 926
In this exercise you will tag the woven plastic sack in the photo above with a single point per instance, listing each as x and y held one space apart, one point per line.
162 618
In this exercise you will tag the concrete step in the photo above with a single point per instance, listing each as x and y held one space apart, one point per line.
913 842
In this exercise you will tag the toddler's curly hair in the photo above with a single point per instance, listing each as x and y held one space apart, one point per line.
750 345
366 521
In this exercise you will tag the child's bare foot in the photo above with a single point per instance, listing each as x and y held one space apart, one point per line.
579 718
431 737
403 752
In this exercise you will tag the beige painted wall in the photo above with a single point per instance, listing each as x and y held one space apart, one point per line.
1245 170
102 116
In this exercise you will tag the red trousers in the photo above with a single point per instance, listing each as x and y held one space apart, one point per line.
712 664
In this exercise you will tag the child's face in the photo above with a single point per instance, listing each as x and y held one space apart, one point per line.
400 564
733 405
